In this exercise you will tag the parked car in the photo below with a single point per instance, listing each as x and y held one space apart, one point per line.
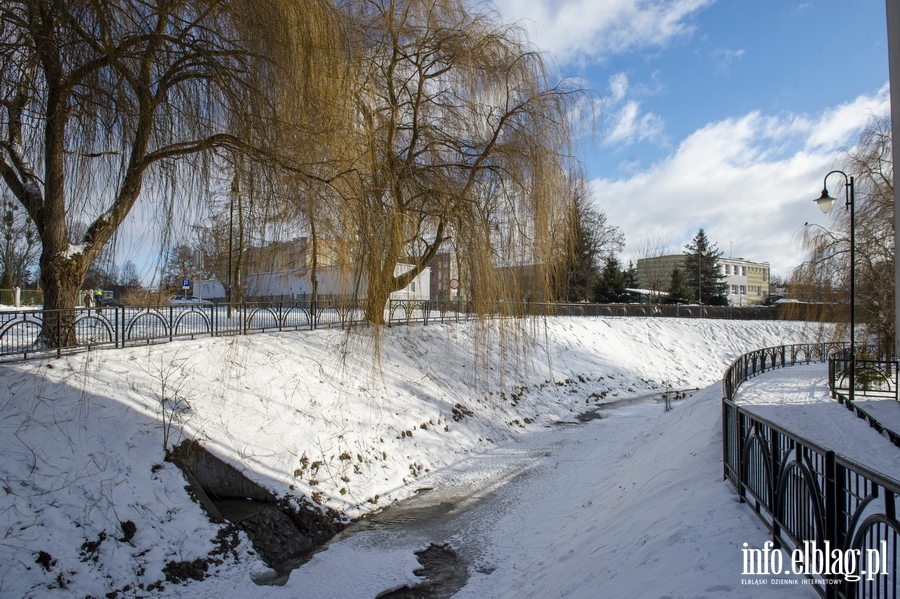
187 300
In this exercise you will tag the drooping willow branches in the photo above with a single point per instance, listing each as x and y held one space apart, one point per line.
390 130
825 276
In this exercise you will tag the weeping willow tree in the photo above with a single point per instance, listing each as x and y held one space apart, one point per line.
104 102
463 145
825 276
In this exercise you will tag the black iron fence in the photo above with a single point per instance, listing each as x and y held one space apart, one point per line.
425 311
660 310
810 498
29 333
403 311
872 378
36 333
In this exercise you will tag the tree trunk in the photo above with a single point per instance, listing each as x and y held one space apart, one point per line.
61 279
376 299
314 266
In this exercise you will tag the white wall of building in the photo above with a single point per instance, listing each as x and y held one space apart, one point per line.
332 280
418 289
209 289
746 283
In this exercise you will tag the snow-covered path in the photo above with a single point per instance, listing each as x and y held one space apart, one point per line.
632 505
798 399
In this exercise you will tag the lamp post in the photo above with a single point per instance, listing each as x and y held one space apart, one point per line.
825 203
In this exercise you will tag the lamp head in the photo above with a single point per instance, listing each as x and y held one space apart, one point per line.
825 202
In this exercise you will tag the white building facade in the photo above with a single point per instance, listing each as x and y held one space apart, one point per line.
748 282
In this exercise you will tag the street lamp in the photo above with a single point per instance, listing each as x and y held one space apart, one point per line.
825 204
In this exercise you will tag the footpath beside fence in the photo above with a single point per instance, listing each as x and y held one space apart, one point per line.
807 495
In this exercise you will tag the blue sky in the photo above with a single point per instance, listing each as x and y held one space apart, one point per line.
720 114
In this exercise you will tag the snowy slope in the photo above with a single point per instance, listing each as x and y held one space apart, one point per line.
310 413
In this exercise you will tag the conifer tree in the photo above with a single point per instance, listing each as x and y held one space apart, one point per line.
701 270
679 291
611 284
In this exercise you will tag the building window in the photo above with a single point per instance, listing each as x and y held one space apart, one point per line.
727 269
744 271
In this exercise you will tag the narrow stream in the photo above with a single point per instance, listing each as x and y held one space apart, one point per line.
444 519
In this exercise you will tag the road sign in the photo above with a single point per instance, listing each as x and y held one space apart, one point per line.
185 283
454 283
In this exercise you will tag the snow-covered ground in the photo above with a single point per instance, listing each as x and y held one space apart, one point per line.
632 504
798 399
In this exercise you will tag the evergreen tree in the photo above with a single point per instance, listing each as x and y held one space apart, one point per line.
610 287
631 276
592 238
701 269
679 291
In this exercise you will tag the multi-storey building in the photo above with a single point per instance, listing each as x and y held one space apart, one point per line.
655 274
445 280
284 270
748 282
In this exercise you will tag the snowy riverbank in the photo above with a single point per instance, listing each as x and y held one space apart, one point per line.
313 413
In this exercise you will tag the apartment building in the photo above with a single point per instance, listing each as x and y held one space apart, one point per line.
748 282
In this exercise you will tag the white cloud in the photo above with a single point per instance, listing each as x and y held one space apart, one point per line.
627 124
725 57
630 126
837 123
592 30
750 181
618 85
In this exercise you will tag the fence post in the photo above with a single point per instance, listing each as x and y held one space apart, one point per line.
726 433
739 418
773 482
831 515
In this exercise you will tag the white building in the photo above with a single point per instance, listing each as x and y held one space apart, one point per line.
332 280
211 289
748 282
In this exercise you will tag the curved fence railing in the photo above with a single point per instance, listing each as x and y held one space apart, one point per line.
810 498
873 379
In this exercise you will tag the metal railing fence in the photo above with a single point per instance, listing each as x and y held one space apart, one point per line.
34 333
805 493
874 378
30 333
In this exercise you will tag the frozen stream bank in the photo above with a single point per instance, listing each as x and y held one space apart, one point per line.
91 508
633 500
